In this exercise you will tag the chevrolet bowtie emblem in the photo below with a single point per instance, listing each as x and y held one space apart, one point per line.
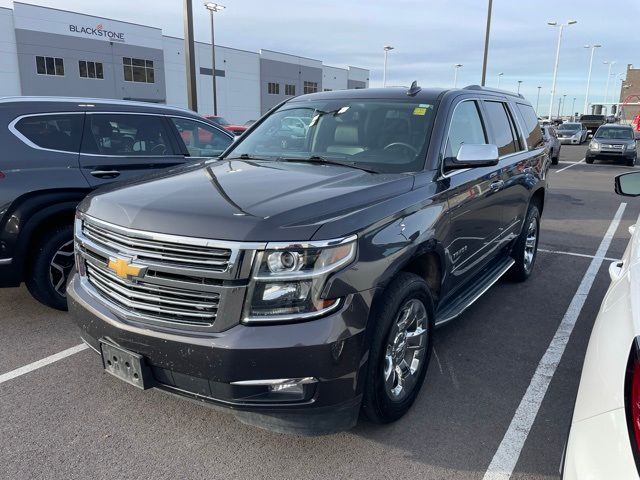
123 268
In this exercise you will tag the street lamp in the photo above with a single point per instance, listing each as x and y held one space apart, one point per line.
486 44
573 110
559 105
499 77
213 8
538 99
564 97
519 83
387 49
555 67
586 97
455 74
606 89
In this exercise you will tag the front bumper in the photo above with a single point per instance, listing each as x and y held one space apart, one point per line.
332 350
599 448
569 141
611 154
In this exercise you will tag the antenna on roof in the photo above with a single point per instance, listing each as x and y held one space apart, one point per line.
413 89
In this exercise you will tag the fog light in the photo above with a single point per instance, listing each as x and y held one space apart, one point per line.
279 390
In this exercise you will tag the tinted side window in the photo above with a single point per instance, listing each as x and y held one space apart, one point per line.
501 126
200 139
528 114
126 135
56 132
465 127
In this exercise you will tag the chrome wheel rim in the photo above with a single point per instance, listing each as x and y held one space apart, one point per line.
530 244
60 267
405 350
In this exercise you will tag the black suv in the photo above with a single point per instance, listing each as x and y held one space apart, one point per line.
56 150
298 280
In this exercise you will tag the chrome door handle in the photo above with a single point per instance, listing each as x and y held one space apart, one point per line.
496 186
105 173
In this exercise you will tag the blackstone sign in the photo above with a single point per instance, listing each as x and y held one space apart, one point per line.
98 31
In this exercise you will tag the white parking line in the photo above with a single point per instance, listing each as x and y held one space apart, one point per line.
572 165
583 255
506 457
5 377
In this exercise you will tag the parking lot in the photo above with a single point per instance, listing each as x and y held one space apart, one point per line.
68 419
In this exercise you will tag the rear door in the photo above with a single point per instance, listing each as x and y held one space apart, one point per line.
122 146
475 213
198 139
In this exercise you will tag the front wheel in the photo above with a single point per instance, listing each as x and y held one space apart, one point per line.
589 160
631 162
525 250
49 271
401 348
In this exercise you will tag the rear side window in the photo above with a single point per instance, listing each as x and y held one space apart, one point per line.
200 139
502 127
126 135
465 127
54 132
530 119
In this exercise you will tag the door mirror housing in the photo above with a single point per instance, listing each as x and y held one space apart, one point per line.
628 184
473 156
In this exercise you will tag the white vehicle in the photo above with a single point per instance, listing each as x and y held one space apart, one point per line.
605 430
572 133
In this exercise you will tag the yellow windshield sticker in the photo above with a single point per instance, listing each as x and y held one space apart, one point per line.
420 111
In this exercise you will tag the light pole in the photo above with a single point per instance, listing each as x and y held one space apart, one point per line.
499 78
564 97
559 105
387 49
519 83
486 44
213 8
606 88
190 55
538 99
455 74
555 67
573 109
586 97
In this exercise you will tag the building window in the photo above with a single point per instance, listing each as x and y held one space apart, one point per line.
273 88
91 69
310 87
50 66
138 70
289 89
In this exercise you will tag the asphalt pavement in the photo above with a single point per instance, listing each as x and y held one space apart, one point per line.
71 420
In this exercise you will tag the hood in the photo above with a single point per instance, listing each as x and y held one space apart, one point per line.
607 141
245 200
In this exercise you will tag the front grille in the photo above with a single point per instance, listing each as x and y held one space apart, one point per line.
182 281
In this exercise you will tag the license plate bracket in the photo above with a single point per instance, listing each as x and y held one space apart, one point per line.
128 366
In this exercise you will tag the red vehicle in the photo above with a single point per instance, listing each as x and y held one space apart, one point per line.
235 129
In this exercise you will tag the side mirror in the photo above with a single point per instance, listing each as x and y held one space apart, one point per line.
628 184
472 156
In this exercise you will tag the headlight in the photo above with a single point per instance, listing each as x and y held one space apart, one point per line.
594 146
288 280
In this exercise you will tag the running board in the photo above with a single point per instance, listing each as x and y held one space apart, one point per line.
466 298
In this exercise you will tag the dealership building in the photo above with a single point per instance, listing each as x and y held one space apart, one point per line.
46 51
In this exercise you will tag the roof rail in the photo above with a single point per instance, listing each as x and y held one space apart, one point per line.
494 90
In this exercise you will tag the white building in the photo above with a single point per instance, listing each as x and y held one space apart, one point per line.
46 51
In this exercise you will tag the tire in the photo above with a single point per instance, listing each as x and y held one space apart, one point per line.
589 160
555 160
526 248
48 273
631 162
383 401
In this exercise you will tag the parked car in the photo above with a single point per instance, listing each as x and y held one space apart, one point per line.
593 122
299 283
613 142
604 439
56 150
230 127
551 140
572 133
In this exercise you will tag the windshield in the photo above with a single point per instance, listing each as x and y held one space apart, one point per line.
615 133
571 127
592 117
384 135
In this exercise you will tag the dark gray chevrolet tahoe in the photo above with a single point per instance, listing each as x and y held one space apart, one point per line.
299 280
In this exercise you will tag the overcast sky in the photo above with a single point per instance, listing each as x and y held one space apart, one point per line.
429 36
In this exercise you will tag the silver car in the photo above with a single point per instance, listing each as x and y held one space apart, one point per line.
551 140
572 133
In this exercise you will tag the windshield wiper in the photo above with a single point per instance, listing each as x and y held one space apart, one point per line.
327 161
